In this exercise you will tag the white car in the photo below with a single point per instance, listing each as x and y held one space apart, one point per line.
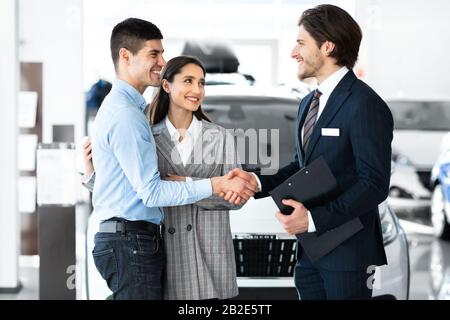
265 253
407 194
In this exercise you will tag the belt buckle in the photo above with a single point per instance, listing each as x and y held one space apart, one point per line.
109 226
161 230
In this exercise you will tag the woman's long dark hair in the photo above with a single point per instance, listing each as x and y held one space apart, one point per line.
160 104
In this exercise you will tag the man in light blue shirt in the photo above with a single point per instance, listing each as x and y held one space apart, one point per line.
128 190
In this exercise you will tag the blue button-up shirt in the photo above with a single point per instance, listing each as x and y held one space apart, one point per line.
128 184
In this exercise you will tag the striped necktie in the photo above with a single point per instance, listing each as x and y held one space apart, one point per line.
310 120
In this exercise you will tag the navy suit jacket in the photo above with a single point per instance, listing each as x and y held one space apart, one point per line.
360 159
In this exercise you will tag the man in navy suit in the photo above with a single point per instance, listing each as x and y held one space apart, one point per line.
348 124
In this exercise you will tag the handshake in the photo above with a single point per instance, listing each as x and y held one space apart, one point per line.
236 187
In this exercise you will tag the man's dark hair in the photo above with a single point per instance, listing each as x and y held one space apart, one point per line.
331 23
131 35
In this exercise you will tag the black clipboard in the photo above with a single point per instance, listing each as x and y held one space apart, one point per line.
315 185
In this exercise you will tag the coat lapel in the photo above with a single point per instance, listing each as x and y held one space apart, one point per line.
335 102
209 145
167 148
195 167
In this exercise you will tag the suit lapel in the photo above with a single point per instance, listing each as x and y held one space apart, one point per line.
335 102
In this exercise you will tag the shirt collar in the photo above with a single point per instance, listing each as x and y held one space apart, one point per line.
130 91
192 131
330 83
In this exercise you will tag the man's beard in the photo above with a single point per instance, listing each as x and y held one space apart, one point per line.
310 69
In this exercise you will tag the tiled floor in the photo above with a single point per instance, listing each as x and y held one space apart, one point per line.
29 265
29 277
430 267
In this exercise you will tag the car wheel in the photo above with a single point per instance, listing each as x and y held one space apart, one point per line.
441 226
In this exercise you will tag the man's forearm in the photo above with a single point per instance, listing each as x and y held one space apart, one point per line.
162 193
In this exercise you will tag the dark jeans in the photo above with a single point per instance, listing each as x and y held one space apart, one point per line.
316 283
132 264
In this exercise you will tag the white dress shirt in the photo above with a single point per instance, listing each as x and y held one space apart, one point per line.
185 146
326 88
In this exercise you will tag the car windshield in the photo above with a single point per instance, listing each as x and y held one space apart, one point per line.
420 115
256 113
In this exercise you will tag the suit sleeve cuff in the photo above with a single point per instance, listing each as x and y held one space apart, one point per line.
311 226
257 181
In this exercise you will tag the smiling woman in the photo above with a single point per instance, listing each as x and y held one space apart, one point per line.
200 261
181 92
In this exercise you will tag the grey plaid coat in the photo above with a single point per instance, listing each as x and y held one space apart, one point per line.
200 261
199 247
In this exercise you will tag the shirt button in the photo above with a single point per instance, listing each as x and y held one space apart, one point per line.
171 230
189 227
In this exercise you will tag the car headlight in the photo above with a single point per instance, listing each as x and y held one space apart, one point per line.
400 159
397 192
388 225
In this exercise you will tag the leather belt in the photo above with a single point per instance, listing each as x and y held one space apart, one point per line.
122 225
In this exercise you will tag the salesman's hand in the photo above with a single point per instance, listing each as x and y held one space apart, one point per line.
244 175
231 196
87 157
244 189
297 221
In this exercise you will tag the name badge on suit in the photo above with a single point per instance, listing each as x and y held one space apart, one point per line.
330 132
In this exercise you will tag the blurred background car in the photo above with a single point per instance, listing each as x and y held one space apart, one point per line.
440 180
419 127
407 194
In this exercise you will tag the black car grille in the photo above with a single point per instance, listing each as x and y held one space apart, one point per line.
264 256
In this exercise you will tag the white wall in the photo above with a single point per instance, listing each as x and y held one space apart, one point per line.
9 217
405 47
51 32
